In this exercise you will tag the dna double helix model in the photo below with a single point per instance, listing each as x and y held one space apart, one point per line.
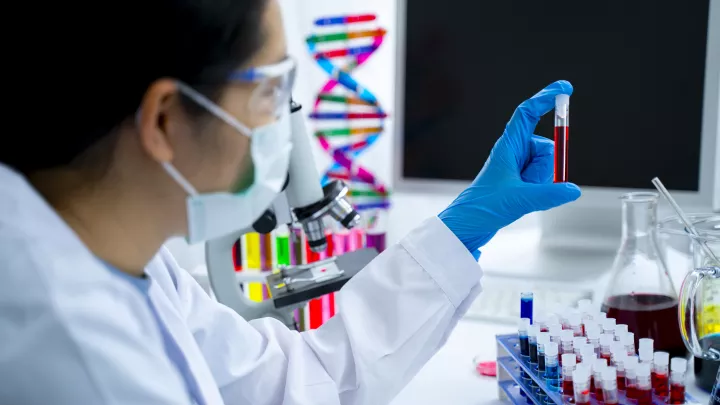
347 117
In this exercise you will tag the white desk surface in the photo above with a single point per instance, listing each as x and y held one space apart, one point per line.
450 379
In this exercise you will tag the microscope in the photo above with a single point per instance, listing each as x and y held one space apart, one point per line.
302 201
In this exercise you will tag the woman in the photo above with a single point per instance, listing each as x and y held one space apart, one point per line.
169 106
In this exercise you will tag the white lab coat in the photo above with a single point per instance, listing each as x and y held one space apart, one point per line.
72 332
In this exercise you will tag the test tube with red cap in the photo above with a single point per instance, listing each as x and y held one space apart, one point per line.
562 134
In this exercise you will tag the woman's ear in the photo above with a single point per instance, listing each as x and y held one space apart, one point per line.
153 121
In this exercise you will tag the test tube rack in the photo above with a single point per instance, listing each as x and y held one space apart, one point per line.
520 383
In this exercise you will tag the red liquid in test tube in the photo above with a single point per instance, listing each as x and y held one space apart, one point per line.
562 134
677 394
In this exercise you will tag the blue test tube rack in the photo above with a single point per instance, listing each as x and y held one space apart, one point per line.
520 383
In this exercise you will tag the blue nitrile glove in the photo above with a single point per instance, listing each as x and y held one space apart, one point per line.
517 178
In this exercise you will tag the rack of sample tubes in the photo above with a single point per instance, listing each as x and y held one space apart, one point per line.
581 357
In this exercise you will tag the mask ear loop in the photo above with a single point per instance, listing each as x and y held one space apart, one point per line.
170 169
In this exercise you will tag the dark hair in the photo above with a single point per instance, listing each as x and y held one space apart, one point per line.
86 70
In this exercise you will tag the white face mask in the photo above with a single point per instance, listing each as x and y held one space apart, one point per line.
212 215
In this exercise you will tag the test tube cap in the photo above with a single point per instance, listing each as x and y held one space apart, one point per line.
608 323
621 329
540 319
551 349
523 324
562 101
646 354
575 319
579 341
567 335
643 370
552 319
599 316
678 365
609 374
606 339
555 329
588 352
617 347
599 364
628 339
581 374
661 358
645 342
569 359
592 331
543 338
533 330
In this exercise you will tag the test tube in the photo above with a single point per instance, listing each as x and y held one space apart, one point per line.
562 133
581 386
678 367
629 342
599 316
566 342
620 330
541 321
533 331
543 339
605 342
609 384
575 320
645 351
608 326
552 368
568 366
598 367
587 353
644 384
523 326
593 335
578 344
631 366
659 376
526 306
620 360
555 331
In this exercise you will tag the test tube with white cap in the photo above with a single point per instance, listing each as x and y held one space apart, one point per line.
598 367
541 321
543 339
678 368
659 377
616 349
620 330
609 385
593 334
555 332
568 366
629 342
575 320
566 342
578 343
644 384
552 368
562 133
606 341
533 331
581 385
631 365
523 326
587 353
645 351
608 325
620 360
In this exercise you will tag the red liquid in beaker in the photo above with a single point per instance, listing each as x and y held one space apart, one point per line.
649 316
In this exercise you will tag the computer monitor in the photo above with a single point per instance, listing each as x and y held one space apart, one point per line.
647 86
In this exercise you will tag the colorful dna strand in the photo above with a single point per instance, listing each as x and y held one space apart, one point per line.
343 107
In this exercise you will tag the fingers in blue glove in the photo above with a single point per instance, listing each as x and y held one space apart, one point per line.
540 169
525 118
542 197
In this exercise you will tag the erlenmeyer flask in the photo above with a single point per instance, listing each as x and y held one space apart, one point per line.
641 293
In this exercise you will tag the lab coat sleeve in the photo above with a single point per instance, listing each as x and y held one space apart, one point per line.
393 316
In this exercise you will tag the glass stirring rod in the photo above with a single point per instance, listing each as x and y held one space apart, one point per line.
691 229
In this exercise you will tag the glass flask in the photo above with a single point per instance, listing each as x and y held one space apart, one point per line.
641 294
699 299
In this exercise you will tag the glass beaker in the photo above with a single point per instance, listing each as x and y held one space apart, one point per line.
699 311
641 294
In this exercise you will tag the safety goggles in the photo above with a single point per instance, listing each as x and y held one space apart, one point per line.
275 84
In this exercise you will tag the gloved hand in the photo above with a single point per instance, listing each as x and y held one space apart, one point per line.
517 178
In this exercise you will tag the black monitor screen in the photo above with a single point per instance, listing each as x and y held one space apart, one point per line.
637 67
